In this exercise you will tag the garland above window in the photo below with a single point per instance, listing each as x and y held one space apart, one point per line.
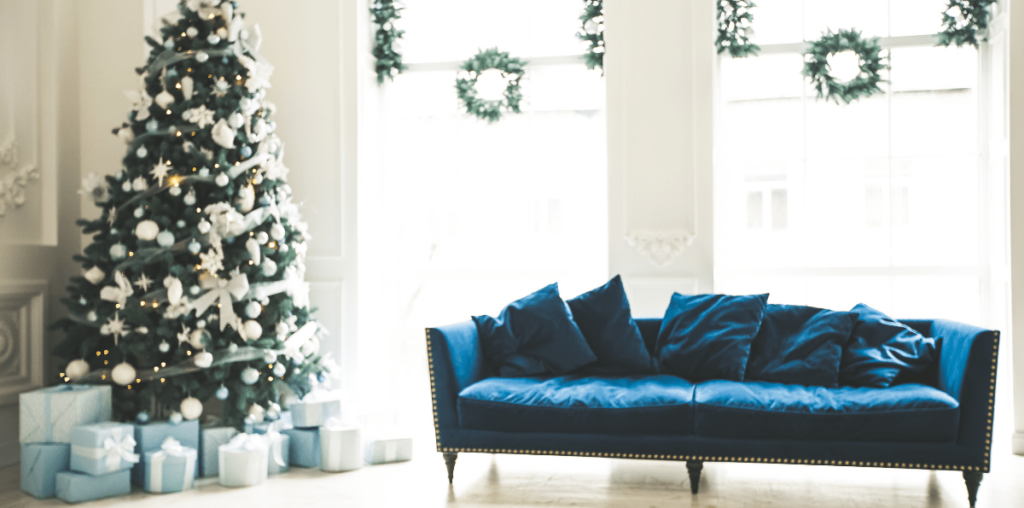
488 84
735 29
965 22
592 33
845 67
388 47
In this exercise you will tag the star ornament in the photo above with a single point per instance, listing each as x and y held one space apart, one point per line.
159 172
114 326
201 116
143 282
183 335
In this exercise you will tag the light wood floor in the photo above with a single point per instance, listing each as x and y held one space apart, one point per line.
507 480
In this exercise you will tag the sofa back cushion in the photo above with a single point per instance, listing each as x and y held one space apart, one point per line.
533 336
708 336
880 348
800 345
604 317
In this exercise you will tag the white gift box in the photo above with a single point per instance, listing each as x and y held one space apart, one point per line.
243 461
339 447
315 409
47 415
386 449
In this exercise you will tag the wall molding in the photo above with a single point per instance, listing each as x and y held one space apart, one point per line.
660 248
13 179
22 325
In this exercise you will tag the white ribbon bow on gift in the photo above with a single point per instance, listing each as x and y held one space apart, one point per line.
118 448
169 448
246 442
117 294
273 437
222 291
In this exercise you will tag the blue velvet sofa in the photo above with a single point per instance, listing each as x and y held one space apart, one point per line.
940 419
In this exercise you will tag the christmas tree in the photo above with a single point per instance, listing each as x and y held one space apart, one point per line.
193 285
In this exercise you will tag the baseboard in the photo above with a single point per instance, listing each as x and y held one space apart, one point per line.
10 453
1017 444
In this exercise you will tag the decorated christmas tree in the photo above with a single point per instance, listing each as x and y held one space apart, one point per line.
193 285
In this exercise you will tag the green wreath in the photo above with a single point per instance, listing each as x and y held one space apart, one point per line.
386 50
592 33
869 54
734 28
511 69
964 22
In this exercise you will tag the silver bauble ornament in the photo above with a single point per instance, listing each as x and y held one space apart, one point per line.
175 418
123 374
252 330
222 393
76 369
190 198
165 239
147 230
262 237
191 408
280 370
164 346
249 376
222 180
277 232
269 267
204 226
203 359
257 413
253 310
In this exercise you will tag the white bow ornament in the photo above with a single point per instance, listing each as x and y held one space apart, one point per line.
118 294
222 291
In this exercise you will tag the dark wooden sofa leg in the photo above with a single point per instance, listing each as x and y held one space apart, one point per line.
694 467
973 480
449 460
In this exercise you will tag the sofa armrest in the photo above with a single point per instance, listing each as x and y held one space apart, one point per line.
455 362
967 372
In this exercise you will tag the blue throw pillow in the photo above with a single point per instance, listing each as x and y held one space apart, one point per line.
800 345
708 336
880 348
604 318
534 336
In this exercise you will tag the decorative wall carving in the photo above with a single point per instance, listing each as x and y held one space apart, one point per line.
21 338
660 248
13 179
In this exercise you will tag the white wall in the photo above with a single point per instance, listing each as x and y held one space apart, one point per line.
38 239
1016 102
659 77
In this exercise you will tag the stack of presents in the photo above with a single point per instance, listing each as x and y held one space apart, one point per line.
70 449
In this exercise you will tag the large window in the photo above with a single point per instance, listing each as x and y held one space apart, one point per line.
877 201
459 217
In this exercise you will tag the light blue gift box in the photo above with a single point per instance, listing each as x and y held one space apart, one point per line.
149 437
47 415
171 468
243 461
303 447
279 450
210 440
313 413
77 487
102 448
40 463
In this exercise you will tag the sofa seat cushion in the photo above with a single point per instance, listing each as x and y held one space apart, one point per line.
657 404
763 410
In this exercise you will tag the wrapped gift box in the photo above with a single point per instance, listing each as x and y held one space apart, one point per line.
40 463
171 468
77 487
243 461
304 447
313 411
210 439
102 448
386 449
278 452
339 448
47 415
149 437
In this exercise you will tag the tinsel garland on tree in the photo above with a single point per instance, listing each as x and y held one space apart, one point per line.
965 22
735 28
199 251
592 33
387 48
